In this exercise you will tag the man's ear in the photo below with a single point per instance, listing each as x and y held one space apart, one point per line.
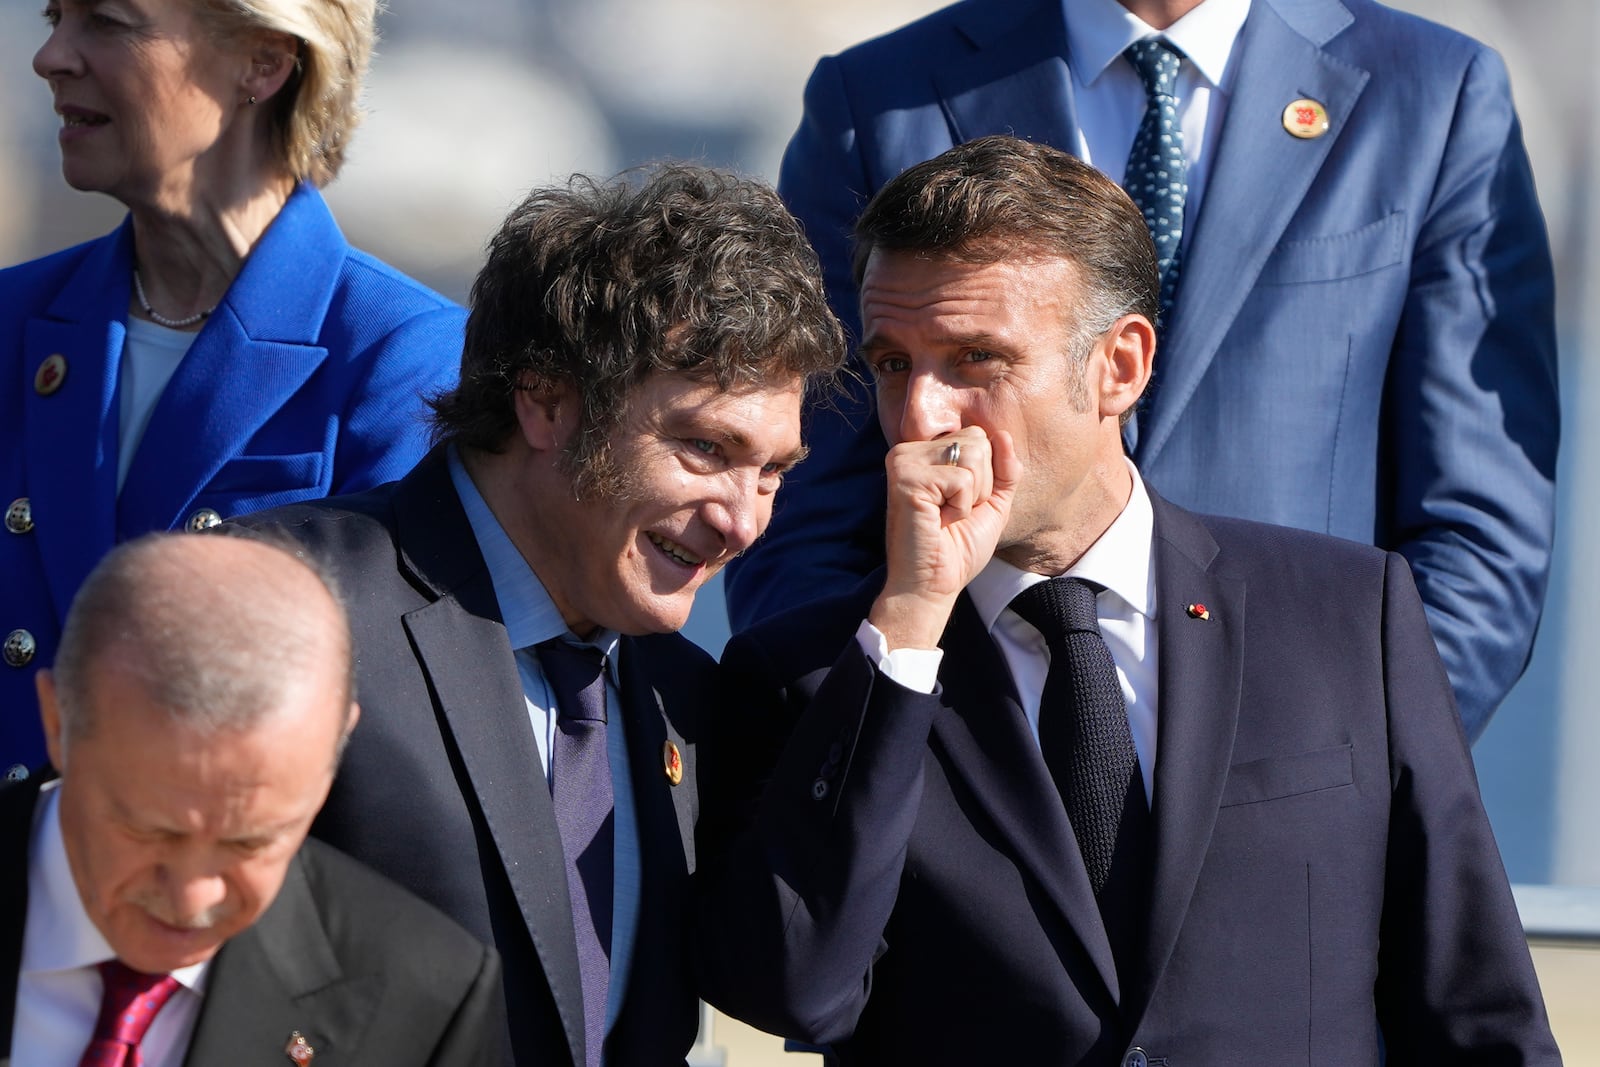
272 58
1130 348
50 717
546 413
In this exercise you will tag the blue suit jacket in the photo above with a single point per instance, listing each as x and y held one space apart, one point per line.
1363 342
909 887
305 381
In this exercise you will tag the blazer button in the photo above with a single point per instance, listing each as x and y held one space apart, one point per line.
19 516
19 648
203 519
16 773
819 789
1136 1058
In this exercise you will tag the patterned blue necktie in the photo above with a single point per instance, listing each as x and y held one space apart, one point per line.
1157 177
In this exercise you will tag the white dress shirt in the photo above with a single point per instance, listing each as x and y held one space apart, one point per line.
1120 562
58 990
1110 99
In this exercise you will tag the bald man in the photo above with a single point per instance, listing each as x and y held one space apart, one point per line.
170 909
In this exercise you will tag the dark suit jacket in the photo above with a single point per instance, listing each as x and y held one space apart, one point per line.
1364 339
306 381
324 959
442 789
912 891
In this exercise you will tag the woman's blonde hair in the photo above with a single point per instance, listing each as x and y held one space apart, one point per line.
318 109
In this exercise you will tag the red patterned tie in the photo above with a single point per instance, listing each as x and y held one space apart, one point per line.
127 1008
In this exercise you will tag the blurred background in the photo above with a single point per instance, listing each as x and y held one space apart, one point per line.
473 101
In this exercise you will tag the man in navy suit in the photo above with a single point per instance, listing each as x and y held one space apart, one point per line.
1362 339
631 385
1097 780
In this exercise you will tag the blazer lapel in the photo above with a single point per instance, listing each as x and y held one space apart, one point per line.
664 816
1258 178
1199 681
256 351
1016 80
483 708
258 992
71 433
991 748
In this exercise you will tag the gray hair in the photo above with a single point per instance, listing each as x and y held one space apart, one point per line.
217 630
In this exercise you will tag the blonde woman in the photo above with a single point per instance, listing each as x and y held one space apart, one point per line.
224 349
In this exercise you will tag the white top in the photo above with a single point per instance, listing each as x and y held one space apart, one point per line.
1110 99
150 356
58 990
1120 561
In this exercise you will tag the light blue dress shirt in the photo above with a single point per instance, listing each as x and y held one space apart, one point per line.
530 618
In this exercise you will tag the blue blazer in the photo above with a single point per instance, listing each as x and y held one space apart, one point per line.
908 887
1363 342
305 381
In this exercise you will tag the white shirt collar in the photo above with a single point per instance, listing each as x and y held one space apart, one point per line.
1098 31
58 934
1119 561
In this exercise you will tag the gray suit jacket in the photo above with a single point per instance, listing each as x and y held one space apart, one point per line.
323 960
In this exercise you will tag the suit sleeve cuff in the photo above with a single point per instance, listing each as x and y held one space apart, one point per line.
917 669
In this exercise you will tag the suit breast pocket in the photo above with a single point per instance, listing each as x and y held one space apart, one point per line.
1342 255
1288 776
253 483
267 474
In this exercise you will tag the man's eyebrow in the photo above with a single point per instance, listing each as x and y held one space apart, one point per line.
875 343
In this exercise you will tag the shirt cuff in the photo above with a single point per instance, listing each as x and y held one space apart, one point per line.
917 669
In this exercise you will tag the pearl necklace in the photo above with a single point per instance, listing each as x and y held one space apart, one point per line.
160 319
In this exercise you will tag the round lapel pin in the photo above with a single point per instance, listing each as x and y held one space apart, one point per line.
672 763
1199 611
51 373
1305 118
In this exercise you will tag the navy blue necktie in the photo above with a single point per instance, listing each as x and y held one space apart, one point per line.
1157 175
1088 747
580 789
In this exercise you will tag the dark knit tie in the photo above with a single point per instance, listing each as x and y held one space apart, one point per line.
129 1001
581 793
1088 747
1157 175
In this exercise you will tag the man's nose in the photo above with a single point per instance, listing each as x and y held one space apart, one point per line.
929 410
739 512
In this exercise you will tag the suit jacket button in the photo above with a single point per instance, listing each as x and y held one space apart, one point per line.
203 519
16 773
1136 1058
819 789
19 516
19 648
